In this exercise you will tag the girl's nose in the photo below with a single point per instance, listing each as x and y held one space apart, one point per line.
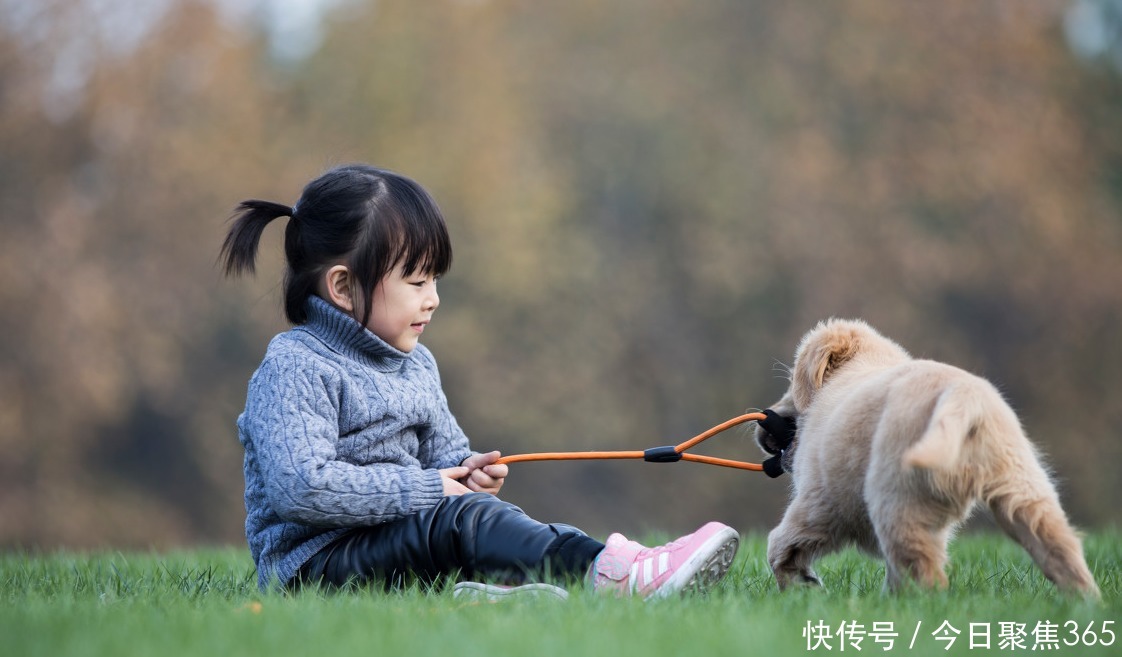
432 300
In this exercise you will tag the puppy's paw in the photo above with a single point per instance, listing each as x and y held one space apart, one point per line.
798 579
811 579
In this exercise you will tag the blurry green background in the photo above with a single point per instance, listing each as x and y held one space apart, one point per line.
650 202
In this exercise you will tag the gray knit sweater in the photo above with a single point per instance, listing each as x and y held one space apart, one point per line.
340 431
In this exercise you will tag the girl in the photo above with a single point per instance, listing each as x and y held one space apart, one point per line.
355 469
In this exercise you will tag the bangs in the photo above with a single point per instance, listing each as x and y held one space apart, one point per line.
423 245
405 227
418 237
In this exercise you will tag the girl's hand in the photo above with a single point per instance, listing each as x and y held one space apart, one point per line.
451 478
485 476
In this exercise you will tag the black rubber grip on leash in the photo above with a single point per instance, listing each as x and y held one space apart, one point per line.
782 428
668 454
773 467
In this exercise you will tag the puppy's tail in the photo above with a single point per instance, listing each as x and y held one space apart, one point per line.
956 418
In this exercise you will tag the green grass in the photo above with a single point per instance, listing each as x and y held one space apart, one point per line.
206 603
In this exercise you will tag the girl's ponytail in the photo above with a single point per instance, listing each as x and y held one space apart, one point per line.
239 251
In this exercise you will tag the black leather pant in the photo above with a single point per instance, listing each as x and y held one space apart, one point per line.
477 536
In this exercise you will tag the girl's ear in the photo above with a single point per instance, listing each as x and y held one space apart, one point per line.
339 286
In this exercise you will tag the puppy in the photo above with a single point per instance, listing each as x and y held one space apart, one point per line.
892 453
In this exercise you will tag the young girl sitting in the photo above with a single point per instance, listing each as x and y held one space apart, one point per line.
355 469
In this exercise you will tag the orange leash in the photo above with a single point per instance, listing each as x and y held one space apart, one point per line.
669 454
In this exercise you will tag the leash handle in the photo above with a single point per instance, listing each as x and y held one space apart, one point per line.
568 456
655 454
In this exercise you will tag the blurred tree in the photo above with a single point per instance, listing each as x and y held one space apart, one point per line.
125 368
650 203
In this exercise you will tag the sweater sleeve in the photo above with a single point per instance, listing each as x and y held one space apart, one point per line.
292 427
443 443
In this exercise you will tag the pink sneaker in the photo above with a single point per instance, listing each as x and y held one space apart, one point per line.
698 560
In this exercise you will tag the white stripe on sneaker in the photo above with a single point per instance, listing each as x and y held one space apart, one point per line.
663 563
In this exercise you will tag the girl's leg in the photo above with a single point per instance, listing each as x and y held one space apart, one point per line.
476 535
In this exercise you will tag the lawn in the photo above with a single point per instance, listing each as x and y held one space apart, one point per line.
205 602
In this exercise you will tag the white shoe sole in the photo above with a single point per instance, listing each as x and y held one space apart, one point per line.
480 592
706 567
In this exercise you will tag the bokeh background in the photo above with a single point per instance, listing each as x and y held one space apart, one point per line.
650 202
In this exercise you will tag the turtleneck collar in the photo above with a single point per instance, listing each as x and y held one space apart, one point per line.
344 335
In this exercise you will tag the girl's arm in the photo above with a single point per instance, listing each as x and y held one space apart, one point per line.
442 443
290 428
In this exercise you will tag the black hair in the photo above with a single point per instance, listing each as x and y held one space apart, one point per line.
368 218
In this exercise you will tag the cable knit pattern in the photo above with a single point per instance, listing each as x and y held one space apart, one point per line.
340 431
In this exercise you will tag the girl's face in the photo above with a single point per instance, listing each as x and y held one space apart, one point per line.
402 306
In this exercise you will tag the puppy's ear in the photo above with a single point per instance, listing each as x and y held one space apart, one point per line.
820 354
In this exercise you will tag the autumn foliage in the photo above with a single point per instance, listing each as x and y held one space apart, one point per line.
649 203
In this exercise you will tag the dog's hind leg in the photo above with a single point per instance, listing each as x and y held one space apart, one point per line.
913 552
912 529
1031 514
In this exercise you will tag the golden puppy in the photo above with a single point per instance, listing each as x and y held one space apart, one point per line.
892 453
